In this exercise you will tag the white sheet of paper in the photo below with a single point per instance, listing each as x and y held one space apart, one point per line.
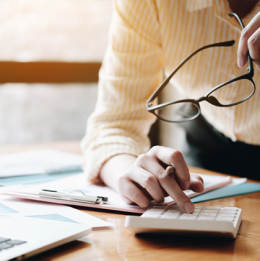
78 181
209 181
38 162
17 207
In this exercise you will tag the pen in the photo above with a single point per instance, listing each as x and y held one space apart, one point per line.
168 171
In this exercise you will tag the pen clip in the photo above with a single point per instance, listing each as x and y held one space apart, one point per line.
68 196
80 191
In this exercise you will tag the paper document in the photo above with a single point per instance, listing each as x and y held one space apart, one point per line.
228 191
75 182
34 178
114 202
15 207
38 162
211 182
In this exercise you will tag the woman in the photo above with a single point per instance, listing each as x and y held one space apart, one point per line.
145 38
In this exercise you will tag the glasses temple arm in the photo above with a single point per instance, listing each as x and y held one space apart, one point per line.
166 81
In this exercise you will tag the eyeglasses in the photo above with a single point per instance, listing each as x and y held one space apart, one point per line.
230 93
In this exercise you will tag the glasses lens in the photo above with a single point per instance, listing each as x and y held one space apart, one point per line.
178 112
234 92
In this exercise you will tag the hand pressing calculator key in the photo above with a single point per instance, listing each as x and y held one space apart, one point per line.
204 221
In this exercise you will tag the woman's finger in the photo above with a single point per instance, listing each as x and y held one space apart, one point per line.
254 47
166 180
173 189
196 183
147 181
129 190
246 33
148 174
173 158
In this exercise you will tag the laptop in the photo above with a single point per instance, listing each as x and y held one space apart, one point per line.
23 237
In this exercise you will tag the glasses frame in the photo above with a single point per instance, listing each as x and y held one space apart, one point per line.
210 99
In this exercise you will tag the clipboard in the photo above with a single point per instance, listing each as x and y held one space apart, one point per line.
115 203
73 195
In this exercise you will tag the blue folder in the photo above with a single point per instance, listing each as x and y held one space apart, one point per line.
224 192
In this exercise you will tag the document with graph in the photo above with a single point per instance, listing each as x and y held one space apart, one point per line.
78 186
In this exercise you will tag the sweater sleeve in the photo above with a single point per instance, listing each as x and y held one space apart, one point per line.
130 72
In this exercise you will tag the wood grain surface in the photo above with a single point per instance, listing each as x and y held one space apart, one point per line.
120 244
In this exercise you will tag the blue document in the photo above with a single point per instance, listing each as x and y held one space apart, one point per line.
33 179
241 189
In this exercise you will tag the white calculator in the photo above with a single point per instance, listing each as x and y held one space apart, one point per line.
204 221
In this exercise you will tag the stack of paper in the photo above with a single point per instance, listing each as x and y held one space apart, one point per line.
212 184
10 206
46 166
37 166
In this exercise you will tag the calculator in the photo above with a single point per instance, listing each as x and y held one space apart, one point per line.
204 221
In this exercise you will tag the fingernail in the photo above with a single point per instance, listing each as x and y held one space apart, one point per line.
189 207
186 185
239 63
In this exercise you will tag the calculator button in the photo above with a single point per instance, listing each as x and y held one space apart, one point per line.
173 211
227 215
152 214
155 210
206 218
170 215
209 214
225 219
210 211
188 216
228 212
230 208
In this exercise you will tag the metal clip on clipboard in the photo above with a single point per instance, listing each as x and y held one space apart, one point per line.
69 196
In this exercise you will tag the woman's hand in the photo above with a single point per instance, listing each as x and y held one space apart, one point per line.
250 42
147 179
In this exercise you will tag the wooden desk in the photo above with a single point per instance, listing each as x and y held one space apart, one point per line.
120 244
